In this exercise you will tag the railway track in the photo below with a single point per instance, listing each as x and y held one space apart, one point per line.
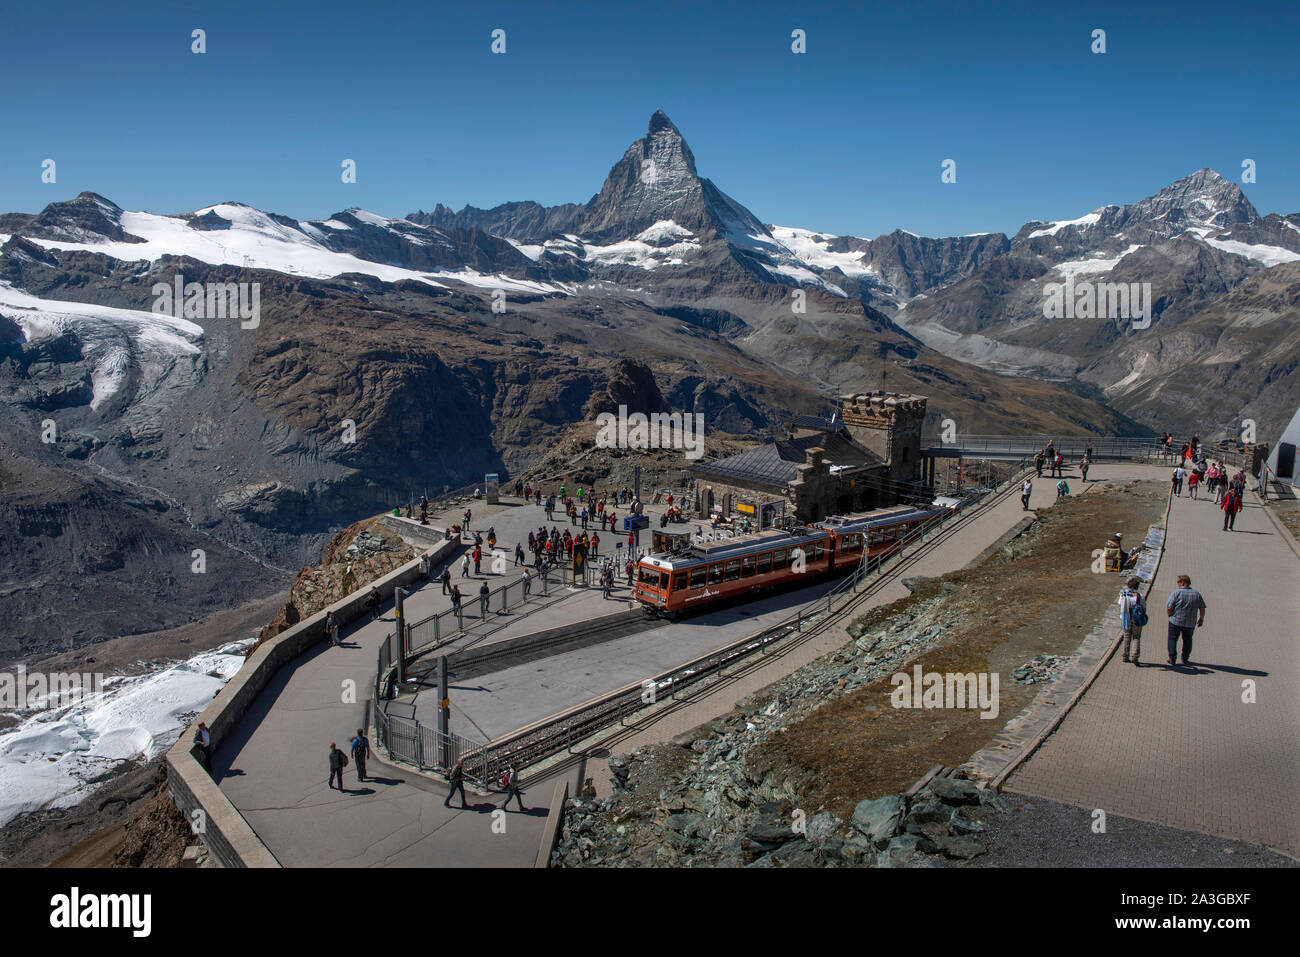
614 734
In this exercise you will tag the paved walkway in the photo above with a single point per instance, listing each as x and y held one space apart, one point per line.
273 767
1179 746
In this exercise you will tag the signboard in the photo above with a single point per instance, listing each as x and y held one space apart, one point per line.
491 488
745 508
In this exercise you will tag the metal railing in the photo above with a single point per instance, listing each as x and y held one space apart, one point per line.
562 731
447 625
1069 446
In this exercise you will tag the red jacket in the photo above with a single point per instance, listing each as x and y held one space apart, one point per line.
1231 503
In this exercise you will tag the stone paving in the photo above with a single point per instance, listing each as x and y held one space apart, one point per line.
1180 746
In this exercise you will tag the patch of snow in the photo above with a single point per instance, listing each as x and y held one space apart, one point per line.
111 337
52 757
1056 227
1080 267
1268 255
813 249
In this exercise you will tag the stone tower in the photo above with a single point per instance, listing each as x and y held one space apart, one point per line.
888 423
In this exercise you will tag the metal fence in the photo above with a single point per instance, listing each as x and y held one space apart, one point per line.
446 625
408 740
539 741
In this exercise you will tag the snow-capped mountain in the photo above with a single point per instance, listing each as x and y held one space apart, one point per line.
230 432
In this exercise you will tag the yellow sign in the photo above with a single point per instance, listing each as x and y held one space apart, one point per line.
446 703
745 508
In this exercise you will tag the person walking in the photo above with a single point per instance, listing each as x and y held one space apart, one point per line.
1193 482
510 781
478 559
373 601
1084 466
424 510
468 513
1231 506
1025 490
595 545
519 555
1039 459
456 599
445 578
528 582
1132 617
456 782
1059 463
332 629
360 752
1180 473
1186 610
483 599
338 761
203 741
464 565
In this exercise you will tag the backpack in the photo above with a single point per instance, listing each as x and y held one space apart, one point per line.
344 763
505 780
1137 615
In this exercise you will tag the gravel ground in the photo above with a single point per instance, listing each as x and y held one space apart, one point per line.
1036 832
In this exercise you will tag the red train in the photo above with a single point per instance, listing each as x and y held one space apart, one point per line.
669 583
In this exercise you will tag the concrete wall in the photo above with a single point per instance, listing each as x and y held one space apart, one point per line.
227 835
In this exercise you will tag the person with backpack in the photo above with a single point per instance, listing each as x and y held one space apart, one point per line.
1231 506
203 741
338 761
510 781
1180 473
1132 618
360 752
456 782
373 601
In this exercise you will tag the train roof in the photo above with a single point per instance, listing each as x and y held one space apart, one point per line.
711 551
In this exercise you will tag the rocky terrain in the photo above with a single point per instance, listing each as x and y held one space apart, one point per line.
809 771
396 356
359 554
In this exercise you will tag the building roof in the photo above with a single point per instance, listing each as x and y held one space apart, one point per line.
777 463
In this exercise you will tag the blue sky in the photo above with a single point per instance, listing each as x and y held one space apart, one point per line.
846 138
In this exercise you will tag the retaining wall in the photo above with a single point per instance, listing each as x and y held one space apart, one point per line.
225 832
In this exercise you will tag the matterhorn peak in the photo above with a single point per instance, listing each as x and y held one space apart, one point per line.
659 122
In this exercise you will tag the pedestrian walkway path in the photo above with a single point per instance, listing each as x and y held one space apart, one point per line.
274 769
1184 746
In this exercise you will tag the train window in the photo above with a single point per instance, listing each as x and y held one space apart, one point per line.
697 577
679 581
851 543
733 569
778 559
764 563
715 574
747 567
648 576
818 549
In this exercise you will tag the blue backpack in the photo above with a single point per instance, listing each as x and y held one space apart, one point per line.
1138 613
